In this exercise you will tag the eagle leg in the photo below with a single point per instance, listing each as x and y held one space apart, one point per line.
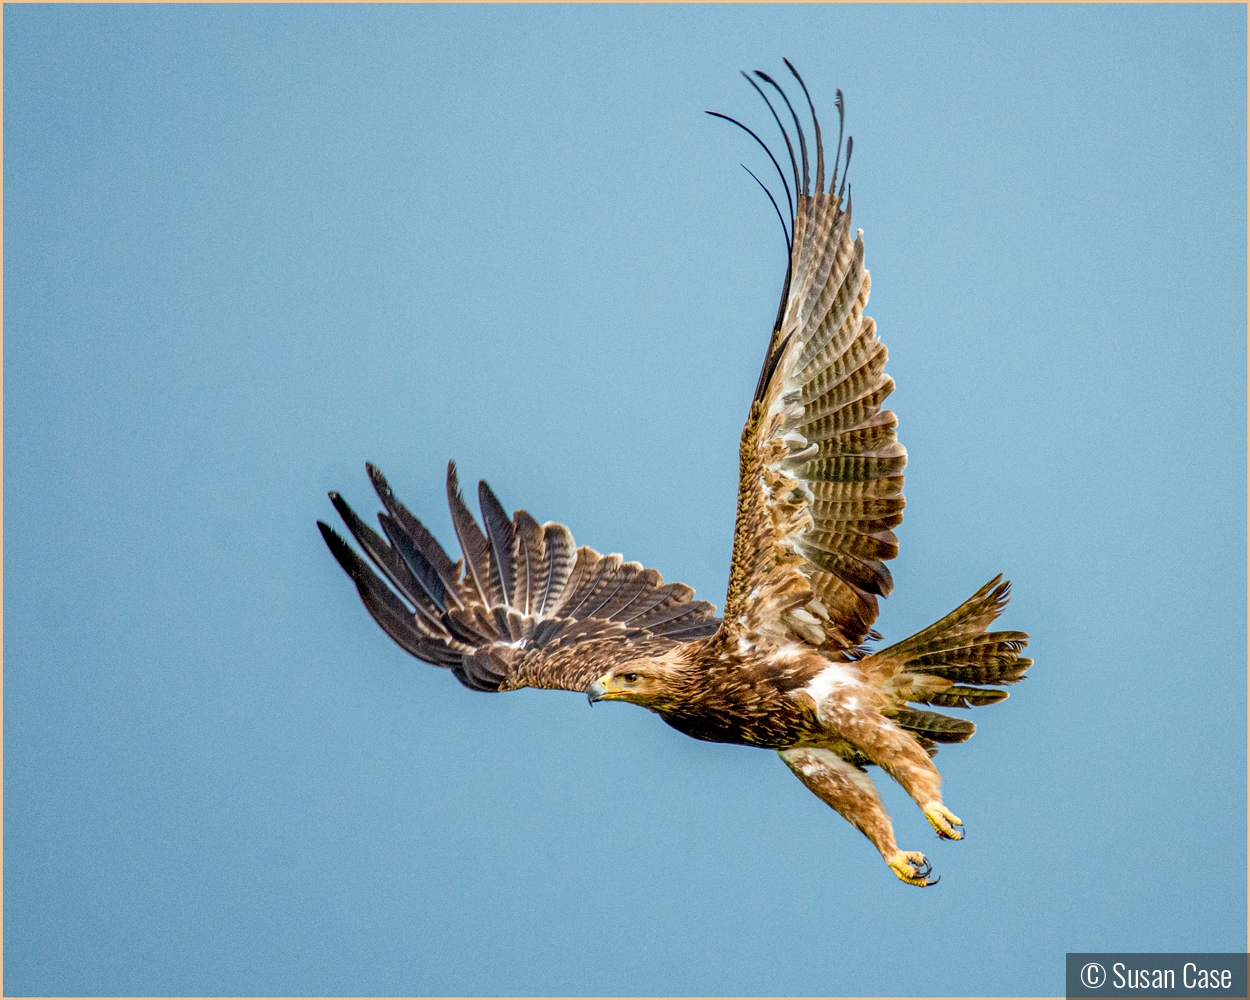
895 751
850 792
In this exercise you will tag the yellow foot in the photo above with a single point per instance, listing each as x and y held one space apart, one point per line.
912 867
943 821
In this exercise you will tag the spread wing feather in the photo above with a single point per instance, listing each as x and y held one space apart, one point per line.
524 607
820 483
531 554
499 533
561 557
472 542
386 558
424 543
388 610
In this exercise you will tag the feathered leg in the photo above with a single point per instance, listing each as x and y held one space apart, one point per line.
896 752
851 792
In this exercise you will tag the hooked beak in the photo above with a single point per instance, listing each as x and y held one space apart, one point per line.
596 692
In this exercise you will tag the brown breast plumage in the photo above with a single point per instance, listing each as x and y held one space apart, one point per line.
748 696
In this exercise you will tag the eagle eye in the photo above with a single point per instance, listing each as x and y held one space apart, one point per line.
629 678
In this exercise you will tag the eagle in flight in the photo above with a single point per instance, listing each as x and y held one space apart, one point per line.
786 667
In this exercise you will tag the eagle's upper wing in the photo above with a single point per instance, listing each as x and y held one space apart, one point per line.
524 607
821 480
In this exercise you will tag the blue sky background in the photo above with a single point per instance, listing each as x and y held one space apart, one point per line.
248 248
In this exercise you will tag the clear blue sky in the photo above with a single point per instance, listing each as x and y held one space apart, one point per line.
248 248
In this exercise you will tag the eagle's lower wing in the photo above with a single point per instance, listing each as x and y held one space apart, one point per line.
524 607
821 480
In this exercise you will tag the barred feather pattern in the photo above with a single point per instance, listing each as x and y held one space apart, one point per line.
523 607
820 484
950 664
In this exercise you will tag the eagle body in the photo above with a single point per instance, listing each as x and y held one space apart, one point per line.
788 665
750 700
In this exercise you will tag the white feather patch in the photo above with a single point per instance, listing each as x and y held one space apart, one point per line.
834 676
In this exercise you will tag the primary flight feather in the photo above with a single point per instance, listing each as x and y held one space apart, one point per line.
786 668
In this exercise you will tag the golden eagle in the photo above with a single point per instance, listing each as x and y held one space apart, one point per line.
820 488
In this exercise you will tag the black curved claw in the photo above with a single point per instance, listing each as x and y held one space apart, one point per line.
923 870
933 882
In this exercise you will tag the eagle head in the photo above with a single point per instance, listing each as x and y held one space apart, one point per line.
655 682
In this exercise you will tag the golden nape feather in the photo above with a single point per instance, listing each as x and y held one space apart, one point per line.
820 491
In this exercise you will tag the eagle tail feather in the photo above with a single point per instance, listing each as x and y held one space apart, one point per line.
950 663
935 726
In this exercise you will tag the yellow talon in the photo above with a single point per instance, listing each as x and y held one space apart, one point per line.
912 867
943 821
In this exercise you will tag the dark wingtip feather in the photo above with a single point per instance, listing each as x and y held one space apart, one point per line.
388 560
764 146
772 359
820 148
794 163
850 144
785 233
419 536
840 103
340 505
338 548
387 610
352 564
473 543
499 533
418 565
797 125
